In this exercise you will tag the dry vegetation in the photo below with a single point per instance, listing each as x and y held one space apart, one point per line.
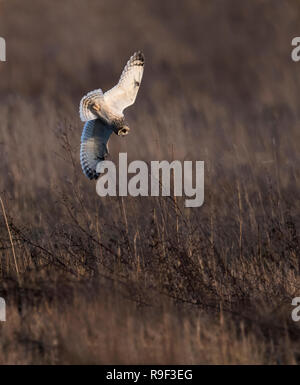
144 280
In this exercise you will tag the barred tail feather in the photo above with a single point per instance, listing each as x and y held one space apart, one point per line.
94 146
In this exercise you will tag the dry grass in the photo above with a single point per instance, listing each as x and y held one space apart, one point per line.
144 280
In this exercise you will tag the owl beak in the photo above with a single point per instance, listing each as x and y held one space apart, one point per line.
123 131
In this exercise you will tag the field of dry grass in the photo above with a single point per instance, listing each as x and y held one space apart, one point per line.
145 280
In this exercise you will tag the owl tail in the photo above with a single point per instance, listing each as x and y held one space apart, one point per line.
93 98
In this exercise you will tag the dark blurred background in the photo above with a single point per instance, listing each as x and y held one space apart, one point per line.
220 86
215 72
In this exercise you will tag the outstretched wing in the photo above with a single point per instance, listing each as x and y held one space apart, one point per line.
93 97
124 93
93 148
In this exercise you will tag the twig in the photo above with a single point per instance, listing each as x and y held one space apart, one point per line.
10 238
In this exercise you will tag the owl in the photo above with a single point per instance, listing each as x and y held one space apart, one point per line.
103 114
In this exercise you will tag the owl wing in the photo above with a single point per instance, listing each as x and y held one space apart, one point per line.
94 148
93 97
124 93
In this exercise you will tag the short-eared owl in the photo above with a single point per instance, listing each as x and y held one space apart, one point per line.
103 114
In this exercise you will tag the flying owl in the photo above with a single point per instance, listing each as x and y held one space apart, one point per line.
103 114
